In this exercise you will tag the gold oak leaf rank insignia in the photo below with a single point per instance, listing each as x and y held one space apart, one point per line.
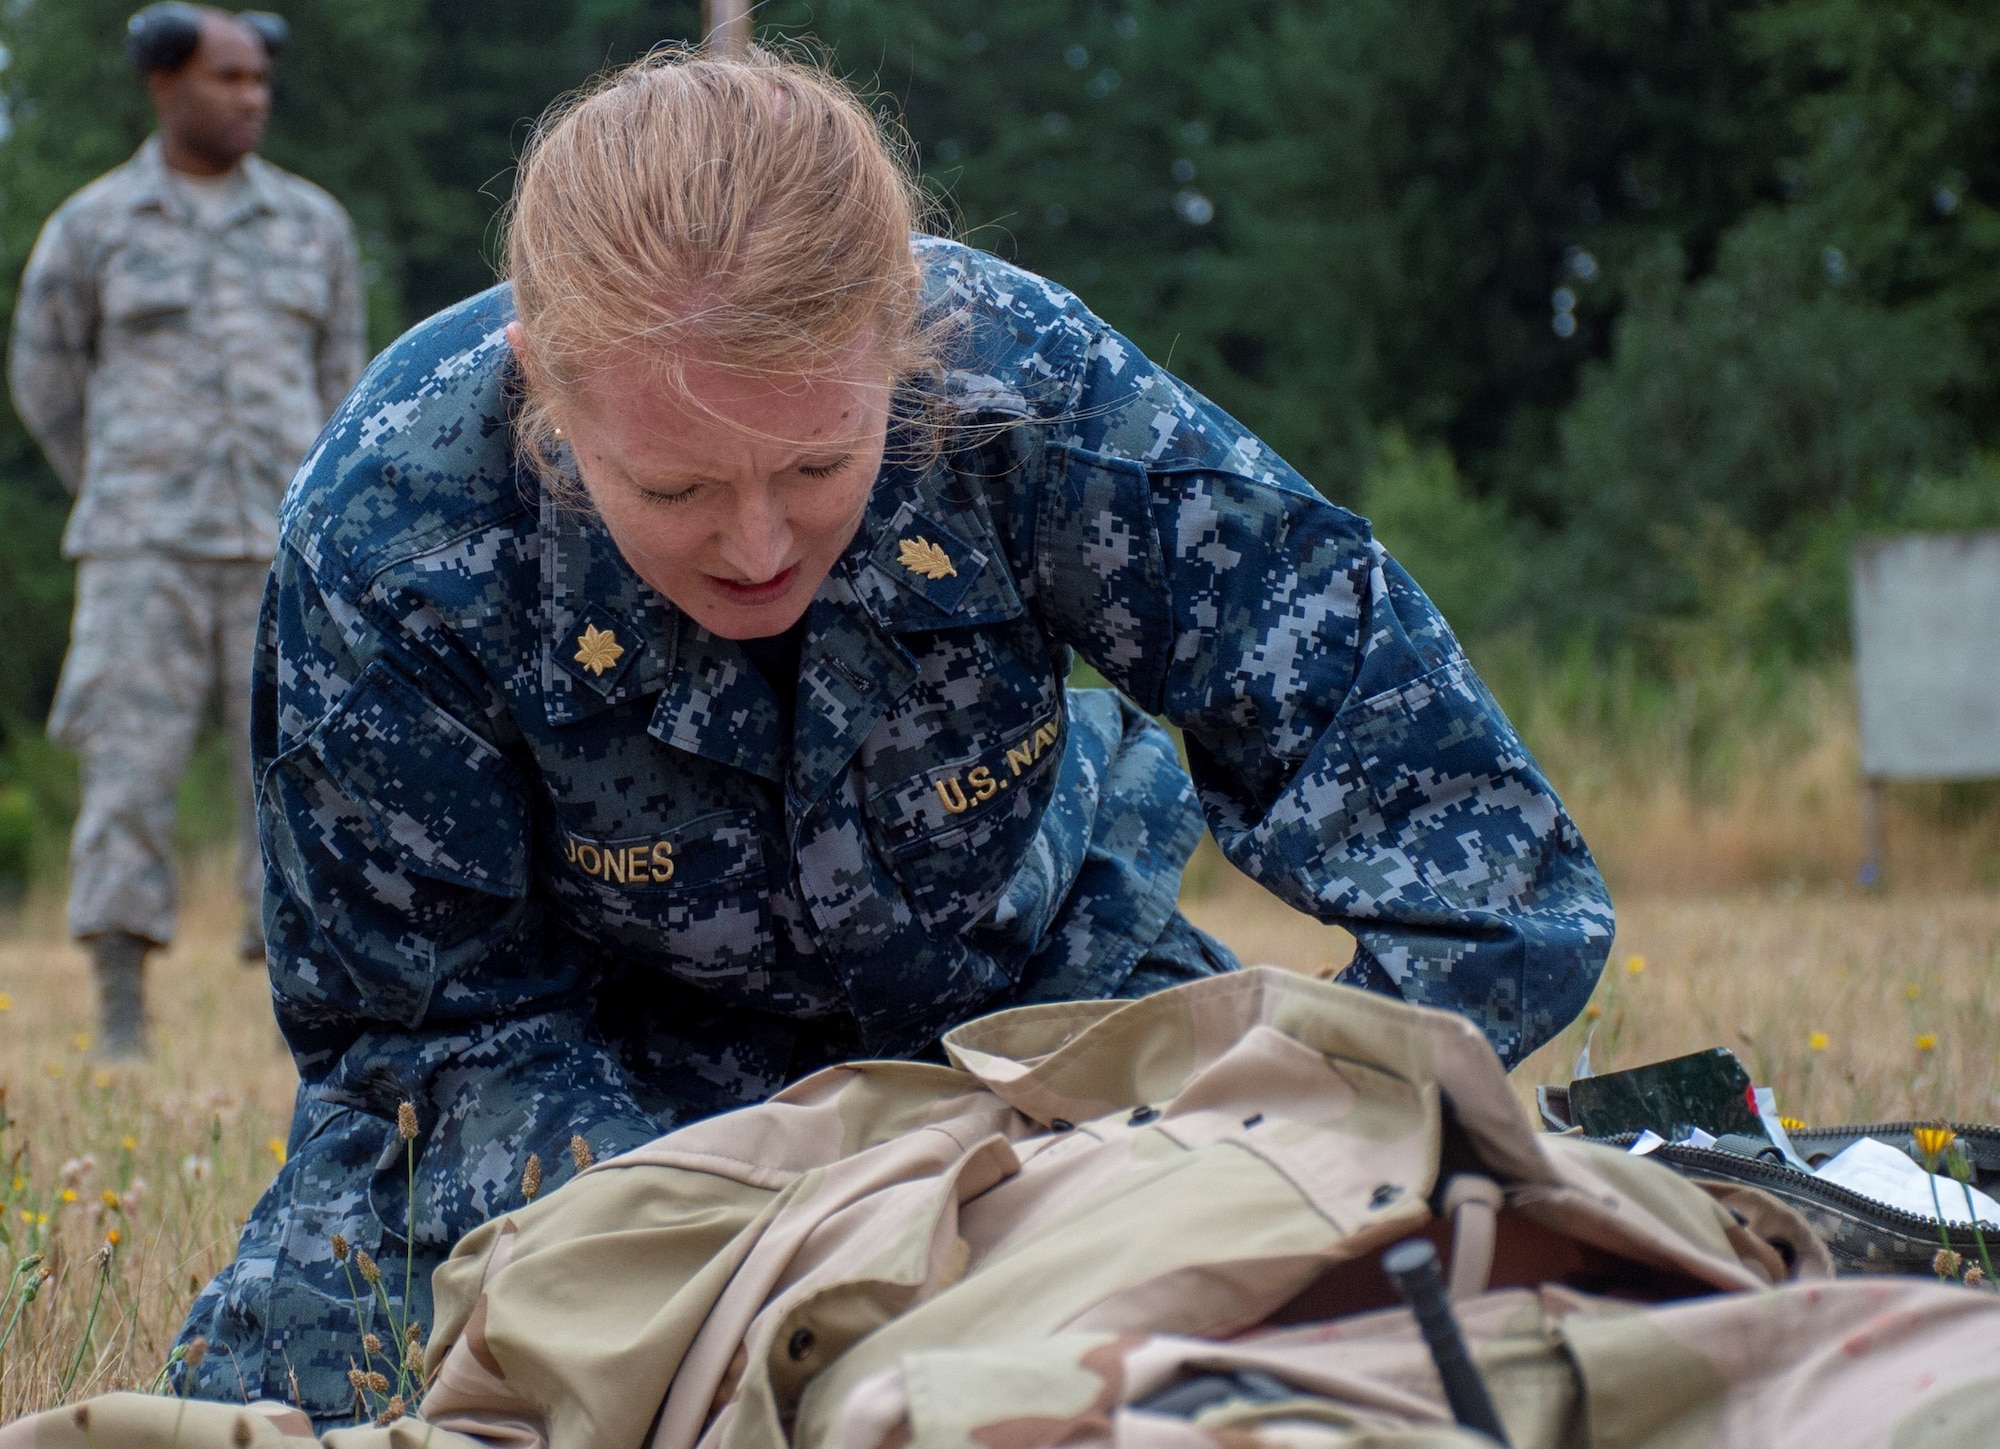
921 556
597 649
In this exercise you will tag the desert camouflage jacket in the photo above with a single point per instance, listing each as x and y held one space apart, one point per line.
1145 1225
175 372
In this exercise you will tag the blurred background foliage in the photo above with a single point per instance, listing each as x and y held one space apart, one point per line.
1621 318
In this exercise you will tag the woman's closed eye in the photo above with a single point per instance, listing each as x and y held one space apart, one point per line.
826 470
666 498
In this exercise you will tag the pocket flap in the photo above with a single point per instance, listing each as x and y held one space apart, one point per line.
134 294
294 289
443 799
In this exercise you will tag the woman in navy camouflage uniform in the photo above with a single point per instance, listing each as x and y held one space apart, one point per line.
662 693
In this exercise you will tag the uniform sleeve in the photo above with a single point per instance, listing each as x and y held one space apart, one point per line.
54 341
1347 756
408 955
343 346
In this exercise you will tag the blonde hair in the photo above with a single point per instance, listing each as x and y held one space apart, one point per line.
748 212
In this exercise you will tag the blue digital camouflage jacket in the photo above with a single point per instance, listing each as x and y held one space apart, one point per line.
542 860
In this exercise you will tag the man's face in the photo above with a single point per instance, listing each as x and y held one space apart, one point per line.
214 108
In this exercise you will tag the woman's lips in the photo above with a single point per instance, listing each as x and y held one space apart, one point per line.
764 593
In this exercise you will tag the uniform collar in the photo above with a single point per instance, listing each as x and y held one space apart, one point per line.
609 638
607 635
924 559
153 188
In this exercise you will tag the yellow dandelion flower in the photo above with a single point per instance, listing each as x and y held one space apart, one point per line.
81 1041
28 1218
53 1069
6 1002
69 1194
129 1142
1927 1042
113 1237
1913 991
277 1148
103 1080
41 1220
1932 1141
1634 965
109 1199
1816 1040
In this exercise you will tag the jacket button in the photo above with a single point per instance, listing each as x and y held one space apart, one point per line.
1387 1193
800 1344
1142 1115
1061 1124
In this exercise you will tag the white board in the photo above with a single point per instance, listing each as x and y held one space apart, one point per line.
1927 655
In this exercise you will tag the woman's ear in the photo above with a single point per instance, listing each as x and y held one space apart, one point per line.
517 340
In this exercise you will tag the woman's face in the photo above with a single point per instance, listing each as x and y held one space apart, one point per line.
732 496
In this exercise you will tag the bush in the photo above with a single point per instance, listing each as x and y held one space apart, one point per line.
1744 421
17 839
1464 551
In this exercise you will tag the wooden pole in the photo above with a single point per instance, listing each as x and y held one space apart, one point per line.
726 24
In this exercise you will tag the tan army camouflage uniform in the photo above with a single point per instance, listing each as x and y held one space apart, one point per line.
1102 1201
175 357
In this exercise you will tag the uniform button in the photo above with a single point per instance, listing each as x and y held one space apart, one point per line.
800 1344
1387 1193
1142 1115
1061 1124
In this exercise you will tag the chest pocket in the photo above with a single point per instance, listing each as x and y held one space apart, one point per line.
693 897
296 290
144 290
955 834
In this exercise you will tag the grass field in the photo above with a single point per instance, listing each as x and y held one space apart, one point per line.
169 1158
1852 1008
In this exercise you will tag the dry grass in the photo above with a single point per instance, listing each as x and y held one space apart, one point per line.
183 1146
1853 1008
1739 782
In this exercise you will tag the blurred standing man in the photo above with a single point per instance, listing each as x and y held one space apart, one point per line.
185 325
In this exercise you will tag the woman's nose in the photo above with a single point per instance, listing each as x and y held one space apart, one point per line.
759 541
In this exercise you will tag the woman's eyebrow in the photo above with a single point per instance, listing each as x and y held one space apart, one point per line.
819 455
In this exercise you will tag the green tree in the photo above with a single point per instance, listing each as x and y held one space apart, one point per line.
1335 218
1841 349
